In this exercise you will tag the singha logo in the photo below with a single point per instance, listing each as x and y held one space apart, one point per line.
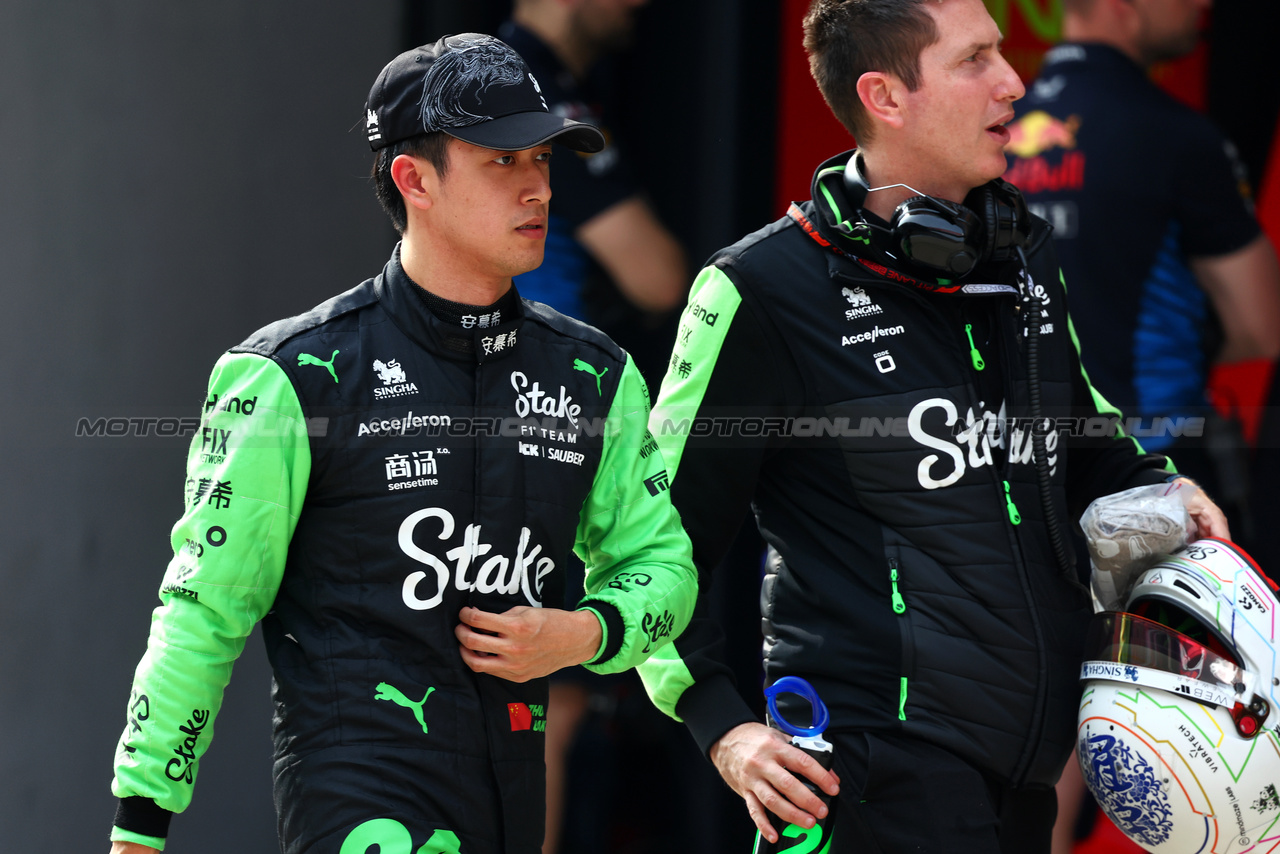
389 372
856 296
394 382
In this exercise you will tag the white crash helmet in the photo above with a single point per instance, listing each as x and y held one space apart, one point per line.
1179 725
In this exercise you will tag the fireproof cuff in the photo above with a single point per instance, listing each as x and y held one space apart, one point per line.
710 708
140 820
614 629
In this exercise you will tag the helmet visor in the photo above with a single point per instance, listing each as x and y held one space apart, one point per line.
1126 639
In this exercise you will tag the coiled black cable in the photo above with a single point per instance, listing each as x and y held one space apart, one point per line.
1040 453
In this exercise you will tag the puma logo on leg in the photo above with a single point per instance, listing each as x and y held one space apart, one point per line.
395 695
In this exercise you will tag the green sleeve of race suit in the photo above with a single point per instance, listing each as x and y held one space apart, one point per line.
671 672
640 578
247 473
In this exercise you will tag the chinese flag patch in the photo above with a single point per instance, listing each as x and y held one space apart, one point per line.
521 717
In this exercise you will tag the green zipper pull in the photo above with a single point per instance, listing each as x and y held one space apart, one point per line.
1014 516
899 605
978 364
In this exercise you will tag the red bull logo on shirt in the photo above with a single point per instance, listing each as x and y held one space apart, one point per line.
1038 132
1031 137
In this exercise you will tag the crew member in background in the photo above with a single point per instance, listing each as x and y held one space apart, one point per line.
1167 268
609 260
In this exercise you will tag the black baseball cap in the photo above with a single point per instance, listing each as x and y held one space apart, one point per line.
473 87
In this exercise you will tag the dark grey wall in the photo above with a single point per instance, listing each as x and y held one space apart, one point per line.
172 177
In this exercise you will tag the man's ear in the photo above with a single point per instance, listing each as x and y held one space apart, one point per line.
880 94
1125 21
416 179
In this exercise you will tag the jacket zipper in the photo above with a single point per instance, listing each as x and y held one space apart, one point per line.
899 606
904 632
974 356
1014 516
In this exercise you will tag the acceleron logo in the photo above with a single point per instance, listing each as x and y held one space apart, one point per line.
527 716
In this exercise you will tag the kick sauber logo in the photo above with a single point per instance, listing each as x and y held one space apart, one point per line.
394 382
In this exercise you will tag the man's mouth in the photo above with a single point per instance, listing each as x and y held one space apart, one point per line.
531 229
1000 132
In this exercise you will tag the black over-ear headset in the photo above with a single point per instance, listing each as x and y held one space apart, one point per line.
942 237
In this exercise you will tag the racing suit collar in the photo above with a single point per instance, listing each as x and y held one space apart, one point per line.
398 295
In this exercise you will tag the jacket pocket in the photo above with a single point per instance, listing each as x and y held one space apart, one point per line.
907 661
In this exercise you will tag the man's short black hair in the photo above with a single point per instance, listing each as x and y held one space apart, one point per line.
847 38
432 147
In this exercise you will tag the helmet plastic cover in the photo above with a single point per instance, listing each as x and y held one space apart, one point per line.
1179 723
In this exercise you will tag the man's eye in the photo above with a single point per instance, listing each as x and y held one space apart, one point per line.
505 160
545 156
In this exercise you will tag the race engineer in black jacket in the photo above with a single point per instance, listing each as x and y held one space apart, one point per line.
864 372
392 482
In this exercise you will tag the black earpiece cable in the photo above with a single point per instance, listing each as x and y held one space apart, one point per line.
1039 451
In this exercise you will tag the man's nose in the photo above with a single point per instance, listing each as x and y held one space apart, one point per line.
1011 86
537 186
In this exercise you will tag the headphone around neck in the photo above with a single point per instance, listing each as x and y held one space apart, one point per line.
941 237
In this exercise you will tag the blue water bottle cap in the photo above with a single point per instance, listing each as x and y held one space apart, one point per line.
800 687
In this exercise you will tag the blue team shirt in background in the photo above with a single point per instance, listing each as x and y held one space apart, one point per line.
1135 183
581 185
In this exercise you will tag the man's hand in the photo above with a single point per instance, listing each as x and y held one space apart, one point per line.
1209 521
525 643
132 848
754 760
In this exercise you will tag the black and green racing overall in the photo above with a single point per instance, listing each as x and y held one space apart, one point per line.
362 472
